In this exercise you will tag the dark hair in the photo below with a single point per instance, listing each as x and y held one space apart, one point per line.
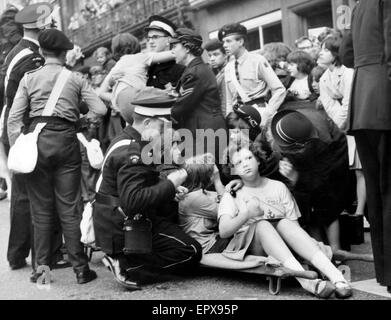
233 121
124 43
303 60
193 48
275 52
199 172
254 148
317 73
214 44
52 53
332 43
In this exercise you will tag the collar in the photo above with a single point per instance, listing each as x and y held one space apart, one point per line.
132 133
31 40
243 57
195 61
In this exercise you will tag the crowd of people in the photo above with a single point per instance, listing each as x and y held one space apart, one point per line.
92 9
272 176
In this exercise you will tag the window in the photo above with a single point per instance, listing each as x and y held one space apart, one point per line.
261 30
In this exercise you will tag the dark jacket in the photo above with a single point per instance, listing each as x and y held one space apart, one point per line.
138 189
28 63
160 74
323 167
198 106
371 41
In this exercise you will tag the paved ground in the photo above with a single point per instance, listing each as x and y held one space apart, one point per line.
206 285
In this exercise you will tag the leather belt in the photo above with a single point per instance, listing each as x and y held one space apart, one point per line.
107 200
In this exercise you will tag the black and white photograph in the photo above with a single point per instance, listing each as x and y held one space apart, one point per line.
195 154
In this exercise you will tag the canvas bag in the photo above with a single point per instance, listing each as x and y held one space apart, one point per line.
26 144
87 222
94 152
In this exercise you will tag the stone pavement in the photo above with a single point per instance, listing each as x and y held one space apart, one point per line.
205 285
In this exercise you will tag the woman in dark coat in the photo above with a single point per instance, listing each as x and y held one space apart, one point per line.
198 105
370 119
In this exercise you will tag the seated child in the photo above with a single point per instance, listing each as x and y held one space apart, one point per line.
262 218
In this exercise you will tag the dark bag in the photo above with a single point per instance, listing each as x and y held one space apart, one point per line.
138 235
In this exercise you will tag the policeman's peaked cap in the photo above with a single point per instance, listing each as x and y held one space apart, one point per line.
160 23
35 16
54 40
153 102
186 35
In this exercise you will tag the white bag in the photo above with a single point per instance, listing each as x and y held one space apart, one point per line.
23 155
87 226
94 152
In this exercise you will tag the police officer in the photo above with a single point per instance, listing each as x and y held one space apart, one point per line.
131 186
54 186
22 58
198 105
159 32
250 72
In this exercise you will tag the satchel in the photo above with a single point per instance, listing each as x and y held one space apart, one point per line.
23 155
94 152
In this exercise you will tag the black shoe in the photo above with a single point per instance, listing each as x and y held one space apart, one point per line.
62 264
36 275
389 289
85 276
122 277
18 264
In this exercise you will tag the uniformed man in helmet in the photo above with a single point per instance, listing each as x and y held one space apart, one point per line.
129 186
23 58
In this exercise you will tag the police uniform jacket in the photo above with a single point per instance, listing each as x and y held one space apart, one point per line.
323 167
133 186
35 89
160 74
371 41
28 63
198 106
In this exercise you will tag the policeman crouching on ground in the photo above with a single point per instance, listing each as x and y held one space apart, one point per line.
131 194
54 186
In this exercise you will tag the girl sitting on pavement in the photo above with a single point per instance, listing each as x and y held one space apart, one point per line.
262 218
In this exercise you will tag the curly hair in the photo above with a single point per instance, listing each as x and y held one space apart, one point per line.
193 48
254 147
275 52
124 43
303 60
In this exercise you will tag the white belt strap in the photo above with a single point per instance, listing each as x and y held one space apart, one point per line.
14 61
117 145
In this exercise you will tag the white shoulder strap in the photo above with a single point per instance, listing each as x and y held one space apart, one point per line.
117 145
237 85
14 61
82 139
57 89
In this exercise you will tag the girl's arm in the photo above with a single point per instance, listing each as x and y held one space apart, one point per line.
164 56
229 224
217 182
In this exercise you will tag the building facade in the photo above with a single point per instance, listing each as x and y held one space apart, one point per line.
266 20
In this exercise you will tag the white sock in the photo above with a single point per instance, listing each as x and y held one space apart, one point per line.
307 284
320 261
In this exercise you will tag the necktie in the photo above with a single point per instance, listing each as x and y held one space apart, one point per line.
238 98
